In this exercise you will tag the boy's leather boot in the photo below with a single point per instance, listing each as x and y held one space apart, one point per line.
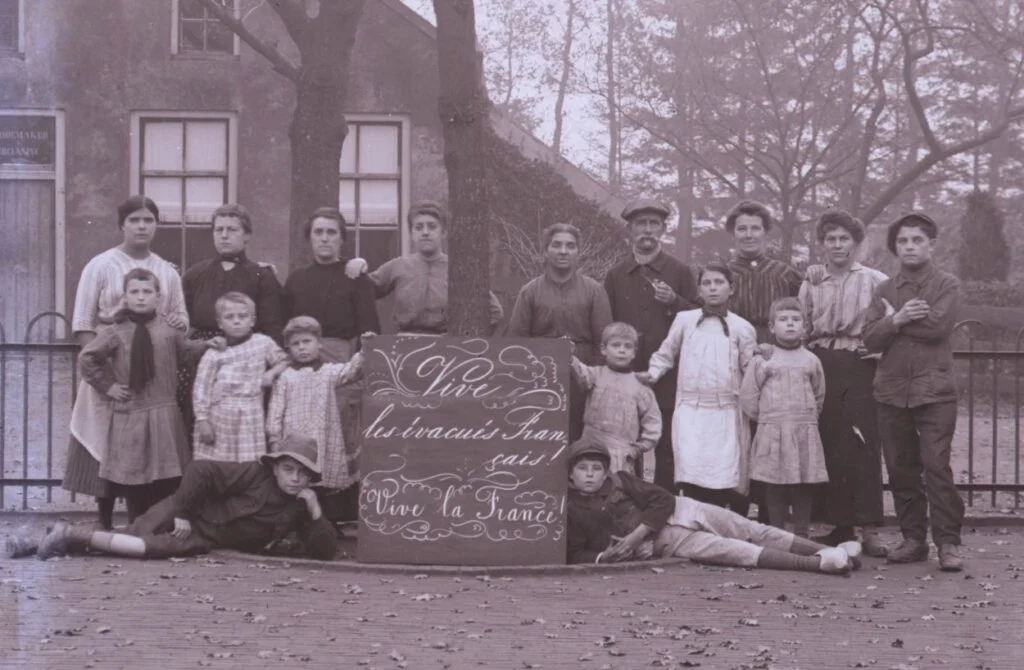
873 545
61 539
909 551
949 558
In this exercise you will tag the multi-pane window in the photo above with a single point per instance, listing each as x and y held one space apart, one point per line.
185 167
199 31
371 189
9 26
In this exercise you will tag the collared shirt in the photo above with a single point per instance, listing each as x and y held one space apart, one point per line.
345 307
420 285
834 308
207 280
917 359
631 297
577 308
757 283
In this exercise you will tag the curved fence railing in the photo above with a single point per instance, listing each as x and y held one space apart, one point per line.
39 380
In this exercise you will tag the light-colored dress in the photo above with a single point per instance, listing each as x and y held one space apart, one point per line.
304 402
228 394
785 394
710 436
621 413
99 297
147 440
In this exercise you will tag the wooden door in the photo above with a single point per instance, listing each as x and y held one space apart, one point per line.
27 272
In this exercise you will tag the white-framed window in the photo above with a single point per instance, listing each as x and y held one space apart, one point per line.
197 32
374 186
12 26
187 163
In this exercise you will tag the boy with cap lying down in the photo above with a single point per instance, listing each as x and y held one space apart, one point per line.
619 517
243 506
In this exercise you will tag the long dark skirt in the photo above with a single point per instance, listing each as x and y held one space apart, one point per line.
849 433
82 473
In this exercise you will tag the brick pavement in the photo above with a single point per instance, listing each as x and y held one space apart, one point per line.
220 612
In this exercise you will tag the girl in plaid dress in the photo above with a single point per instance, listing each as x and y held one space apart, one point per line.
228 394
304 403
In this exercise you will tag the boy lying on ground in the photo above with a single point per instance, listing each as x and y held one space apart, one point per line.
219 505
619 517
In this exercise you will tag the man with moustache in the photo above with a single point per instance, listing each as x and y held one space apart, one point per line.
646 291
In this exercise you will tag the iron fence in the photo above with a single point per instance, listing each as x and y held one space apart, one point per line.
39 379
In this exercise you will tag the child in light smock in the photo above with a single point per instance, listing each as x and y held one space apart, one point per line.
621 413
710 436
784 393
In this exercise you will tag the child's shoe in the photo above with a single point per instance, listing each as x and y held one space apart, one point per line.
834 561
20 545
853 551
873 545
61 538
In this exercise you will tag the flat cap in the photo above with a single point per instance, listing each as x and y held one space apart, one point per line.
586 447
645 205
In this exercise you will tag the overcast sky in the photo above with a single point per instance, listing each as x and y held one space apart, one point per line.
581 134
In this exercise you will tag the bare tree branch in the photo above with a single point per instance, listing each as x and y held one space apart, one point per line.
277 60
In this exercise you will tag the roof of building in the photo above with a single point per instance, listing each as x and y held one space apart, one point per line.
525 141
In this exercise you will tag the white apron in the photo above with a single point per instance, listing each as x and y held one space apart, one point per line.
91 419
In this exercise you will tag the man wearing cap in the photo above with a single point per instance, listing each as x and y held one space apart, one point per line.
645 291
242 506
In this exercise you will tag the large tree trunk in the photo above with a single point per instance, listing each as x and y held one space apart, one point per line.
684 203
464 108
317 132
318 127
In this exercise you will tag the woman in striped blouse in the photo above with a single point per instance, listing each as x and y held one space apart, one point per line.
834 311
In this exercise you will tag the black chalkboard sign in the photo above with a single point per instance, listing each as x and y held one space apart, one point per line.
463 454
28 140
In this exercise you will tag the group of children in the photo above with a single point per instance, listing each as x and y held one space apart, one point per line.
725 382
135 364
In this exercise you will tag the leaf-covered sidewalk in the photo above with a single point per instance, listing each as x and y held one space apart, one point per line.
211 612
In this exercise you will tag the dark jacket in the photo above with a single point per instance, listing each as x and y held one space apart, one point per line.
917 359
240 506
631 295
345 307
208 280
621 504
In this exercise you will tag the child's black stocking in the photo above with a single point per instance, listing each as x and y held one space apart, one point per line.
137 500
782 560
105 508
801 497
776 499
